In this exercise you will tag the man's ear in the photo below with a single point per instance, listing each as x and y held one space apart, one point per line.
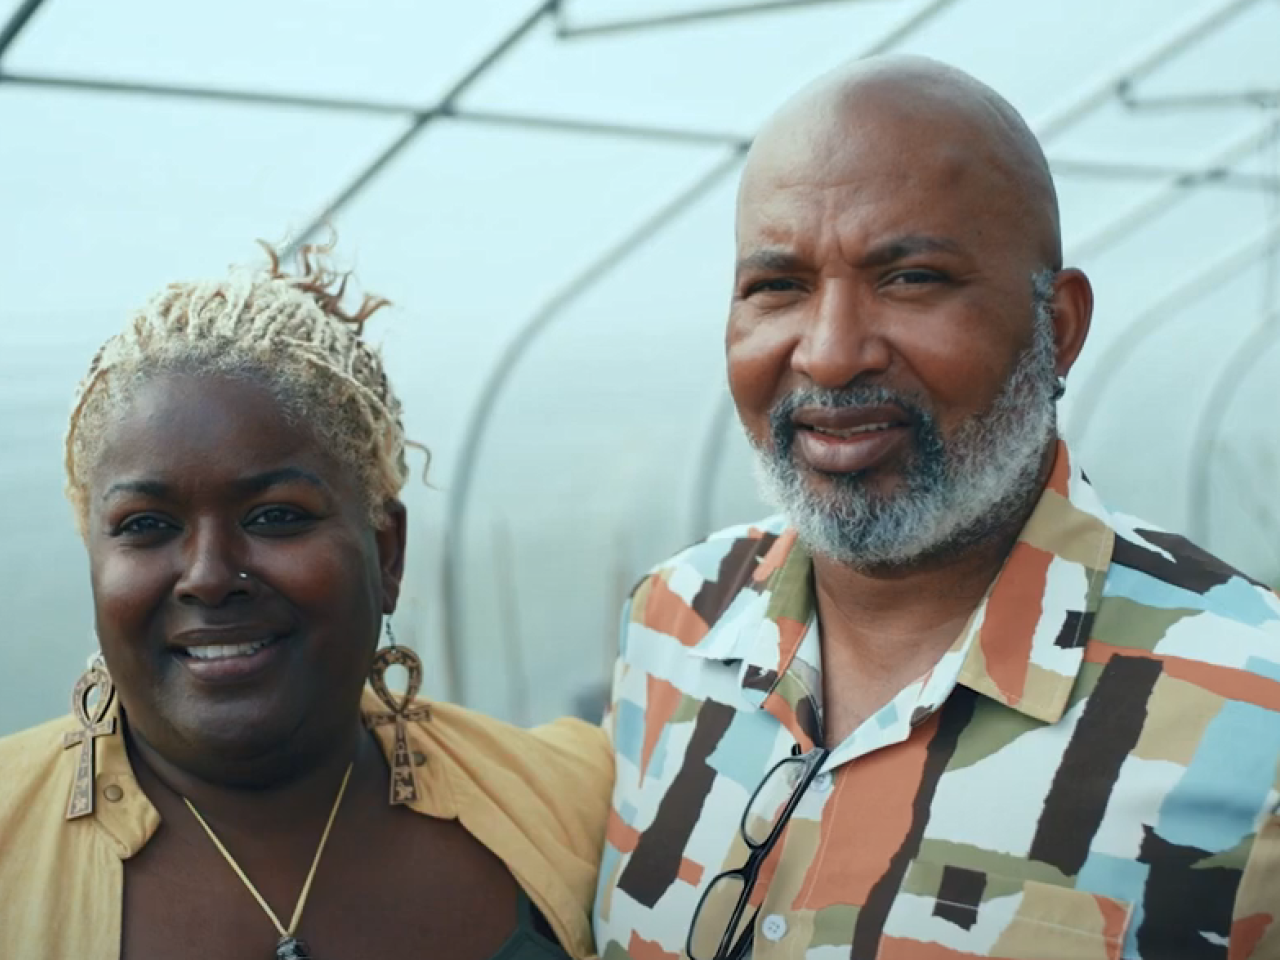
1072 315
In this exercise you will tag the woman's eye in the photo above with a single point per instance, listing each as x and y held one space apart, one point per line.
142 525
277 517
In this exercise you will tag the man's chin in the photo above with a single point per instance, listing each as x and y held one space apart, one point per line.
870 489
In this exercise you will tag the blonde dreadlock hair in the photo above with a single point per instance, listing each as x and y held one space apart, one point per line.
288 332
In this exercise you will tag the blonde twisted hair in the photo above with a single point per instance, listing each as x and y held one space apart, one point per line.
288 332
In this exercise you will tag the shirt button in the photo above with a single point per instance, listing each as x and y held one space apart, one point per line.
112 792
774 927
822 782
419 758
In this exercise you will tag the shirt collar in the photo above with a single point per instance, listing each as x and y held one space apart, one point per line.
123 812
1024 644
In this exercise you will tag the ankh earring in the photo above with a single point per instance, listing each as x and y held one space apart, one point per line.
93 724
401 710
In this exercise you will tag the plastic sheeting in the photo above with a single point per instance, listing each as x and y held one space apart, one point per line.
557 241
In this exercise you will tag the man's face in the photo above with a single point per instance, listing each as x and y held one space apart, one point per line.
883 345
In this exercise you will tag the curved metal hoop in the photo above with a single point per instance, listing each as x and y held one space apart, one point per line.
1209 424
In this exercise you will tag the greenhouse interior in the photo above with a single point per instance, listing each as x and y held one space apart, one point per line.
545 192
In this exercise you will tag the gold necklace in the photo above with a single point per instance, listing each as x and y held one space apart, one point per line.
289 947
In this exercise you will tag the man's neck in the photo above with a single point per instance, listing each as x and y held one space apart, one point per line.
893 607
883 628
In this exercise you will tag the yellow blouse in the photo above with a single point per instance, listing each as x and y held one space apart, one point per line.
538 799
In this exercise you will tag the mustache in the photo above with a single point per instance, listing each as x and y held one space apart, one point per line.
782 426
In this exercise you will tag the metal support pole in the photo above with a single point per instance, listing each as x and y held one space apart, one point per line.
1213 100
213 94
1093 390
1208 427
1170 45
714 437
1162 197
571 31
397 146
1212 175
703 138
17 23
459 489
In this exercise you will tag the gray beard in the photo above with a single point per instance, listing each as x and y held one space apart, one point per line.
954 492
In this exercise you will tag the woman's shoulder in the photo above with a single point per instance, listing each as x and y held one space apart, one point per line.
54 872
37 772
567 743
539 798
29 758
559 773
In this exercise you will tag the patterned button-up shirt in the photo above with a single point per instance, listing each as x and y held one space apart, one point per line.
1091 771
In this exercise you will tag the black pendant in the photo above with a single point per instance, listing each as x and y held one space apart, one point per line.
291 948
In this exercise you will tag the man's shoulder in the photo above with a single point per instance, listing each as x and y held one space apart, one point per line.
713 549
702 580
719 554
1181 600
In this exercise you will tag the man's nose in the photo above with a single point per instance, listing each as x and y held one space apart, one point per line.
841 339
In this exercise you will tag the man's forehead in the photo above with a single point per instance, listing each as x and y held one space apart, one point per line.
937 196
905 142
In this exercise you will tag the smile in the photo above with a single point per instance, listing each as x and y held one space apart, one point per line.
228 651
854 431
851 449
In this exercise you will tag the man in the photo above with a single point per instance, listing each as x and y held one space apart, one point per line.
948 705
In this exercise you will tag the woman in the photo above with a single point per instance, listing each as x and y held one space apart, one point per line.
226 787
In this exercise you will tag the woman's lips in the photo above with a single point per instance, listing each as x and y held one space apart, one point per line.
221 663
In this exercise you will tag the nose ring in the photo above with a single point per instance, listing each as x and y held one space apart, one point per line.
242 576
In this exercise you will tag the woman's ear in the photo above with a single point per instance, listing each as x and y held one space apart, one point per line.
392 539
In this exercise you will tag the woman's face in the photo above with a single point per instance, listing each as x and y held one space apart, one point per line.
238 585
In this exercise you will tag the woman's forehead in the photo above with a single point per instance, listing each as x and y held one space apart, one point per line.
207 429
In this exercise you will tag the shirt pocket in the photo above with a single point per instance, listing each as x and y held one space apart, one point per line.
981 914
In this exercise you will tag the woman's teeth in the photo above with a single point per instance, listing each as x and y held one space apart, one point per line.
227 651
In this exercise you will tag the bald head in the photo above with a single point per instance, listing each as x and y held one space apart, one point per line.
928 118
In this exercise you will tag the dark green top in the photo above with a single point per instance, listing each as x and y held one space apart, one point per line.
532 938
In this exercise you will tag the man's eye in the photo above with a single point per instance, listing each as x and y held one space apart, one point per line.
775 285
911 278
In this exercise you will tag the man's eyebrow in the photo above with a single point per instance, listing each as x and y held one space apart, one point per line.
769 260
909 245
256 483
781 260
